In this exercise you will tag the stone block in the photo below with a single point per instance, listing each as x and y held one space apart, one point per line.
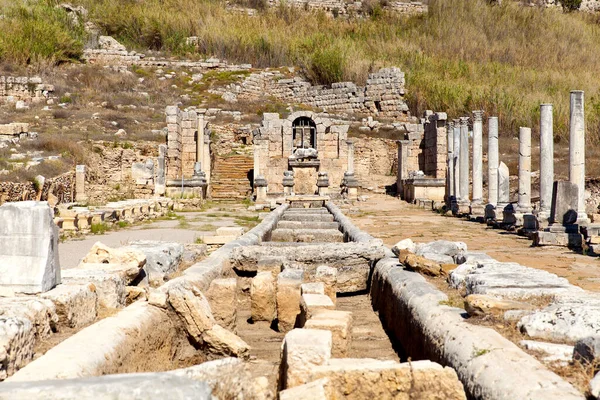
564 239
375 379
28 247
222 342
76 305
588 350
302 351
194 309
339 323
313 288
564 203
230 231
307 225
110 287
40 312
101 253
328 276
128 273
218 240
17 340
270 264
288 298
162 258
263 297
313 303
306 217
314 390
317 235
222 296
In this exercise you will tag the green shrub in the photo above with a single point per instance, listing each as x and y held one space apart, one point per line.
570 5
99 228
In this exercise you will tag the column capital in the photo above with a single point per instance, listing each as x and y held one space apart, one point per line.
464 121
478 115
456 122
450 124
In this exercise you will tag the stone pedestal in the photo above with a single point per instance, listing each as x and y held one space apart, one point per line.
577 152
288 183
260 183
28 247
323 183
80 184
563 229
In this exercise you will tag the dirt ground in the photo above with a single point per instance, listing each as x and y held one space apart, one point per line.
392 220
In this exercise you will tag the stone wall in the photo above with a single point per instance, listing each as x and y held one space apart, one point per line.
374 157
434 145
337 8
383 94
182 129
61 188
27 89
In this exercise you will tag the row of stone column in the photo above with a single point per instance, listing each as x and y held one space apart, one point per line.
498 190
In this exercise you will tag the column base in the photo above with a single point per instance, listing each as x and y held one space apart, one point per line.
530 226
558 235
543 218
477 212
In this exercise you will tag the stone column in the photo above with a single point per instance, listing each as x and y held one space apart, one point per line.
402 166
323 183
450 162
493 160
350 169
200 140
477 157
546 161
288 183
464 160
455 161
503 186
80 183
577 151
524 202
159 185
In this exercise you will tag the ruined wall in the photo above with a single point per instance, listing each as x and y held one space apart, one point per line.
60 187
30 90
383 94
434 145
337 8
374 157
182 127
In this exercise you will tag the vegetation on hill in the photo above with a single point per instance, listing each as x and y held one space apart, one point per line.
461 56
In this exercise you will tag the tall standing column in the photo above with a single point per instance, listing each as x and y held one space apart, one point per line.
350 168
80 183
577 151
546 161
478 157
524 202
450 162
455 161
464 159
200 141
402 167
493 161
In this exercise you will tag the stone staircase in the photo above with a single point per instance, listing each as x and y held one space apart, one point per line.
230 177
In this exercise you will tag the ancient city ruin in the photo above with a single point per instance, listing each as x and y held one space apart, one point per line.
175 225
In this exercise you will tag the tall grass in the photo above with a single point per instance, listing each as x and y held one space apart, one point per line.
461 56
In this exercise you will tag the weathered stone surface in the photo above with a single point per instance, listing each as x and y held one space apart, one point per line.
194 309
110 287
288 298
130 386
229 378
230 231
339 323
302 217
443 247
270 264
302 351
313 288
313 303
594 386
263 297
223 342
588 349
158 298
40 312
404 244
102 254
17 340
569 318
300 235
481 304
28 247
439 258
76 305
127 272
162 258
375 379
328 276
564 203
135 293
420 264
222 296
553 352
314 390
307 225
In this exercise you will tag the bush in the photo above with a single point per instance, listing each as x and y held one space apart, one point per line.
570 5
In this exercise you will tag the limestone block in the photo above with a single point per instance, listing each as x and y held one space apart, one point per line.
328 276
28 247
307 225
552 352
375 379
222 296
288 298
270 264
314 390
317 235
76 305
339 323
306 217
405 244
444 247
100 253
194 310
158 298
313 303
313 288
302 351
17 340
218 240
40 312
481 304
162 258
230 231
263 295
127 272
110 287
135 293
420 264
588 349
223 342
